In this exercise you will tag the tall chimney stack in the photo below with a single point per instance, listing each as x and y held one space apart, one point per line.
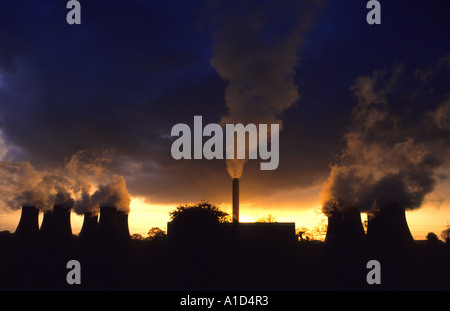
235 200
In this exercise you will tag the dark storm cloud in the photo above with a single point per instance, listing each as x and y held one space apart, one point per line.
119 80
134 69
90 84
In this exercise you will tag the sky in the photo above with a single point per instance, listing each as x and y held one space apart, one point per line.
364 110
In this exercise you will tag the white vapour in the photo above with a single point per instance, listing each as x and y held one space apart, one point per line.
378 167
256 51
84 183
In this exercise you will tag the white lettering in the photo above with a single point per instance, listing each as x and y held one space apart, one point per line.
374 16
374 275
74 275
74 15
236 146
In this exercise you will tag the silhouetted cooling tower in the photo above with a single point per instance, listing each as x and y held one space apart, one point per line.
28 227
56 223
345 227
122 225
235 200
113 224
107 225
62 220
89 228
47 226
389 225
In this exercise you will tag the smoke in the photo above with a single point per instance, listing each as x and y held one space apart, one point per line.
24 185
93 183
18 180
235 167
56 188
255 46
384 163
88 169
84 183
113 193
441 116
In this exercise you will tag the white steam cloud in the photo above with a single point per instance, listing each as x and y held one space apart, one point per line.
84 183
384 163
256 51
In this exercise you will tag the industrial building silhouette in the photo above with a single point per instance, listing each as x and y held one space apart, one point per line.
226 256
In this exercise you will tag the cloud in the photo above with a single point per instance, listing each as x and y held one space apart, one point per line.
256 53
385 161
441 116
113 193
128 73
85 182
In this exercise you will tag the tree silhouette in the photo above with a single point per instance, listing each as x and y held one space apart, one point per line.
201 213
137 236
319 232
445 234
333 207
268 219
432 238
303 234
156 234
198 223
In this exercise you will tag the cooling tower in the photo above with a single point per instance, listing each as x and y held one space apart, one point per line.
236 200
122 225
62 220
56 223
89 228
334 229
47 225
28 227
107 225
389 226
345 227
113 225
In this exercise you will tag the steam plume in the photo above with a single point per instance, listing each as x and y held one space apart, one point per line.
379 168
235 167
113 193
84 183
19 179
255 51
441 116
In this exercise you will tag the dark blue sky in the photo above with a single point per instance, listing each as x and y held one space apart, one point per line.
133 69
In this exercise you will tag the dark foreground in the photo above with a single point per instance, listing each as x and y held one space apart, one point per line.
186 264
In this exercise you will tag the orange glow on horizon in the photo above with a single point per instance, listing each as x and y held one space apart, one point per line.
143 216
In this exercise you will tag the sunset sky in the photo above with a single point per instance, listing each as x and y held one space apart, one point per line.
348 95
